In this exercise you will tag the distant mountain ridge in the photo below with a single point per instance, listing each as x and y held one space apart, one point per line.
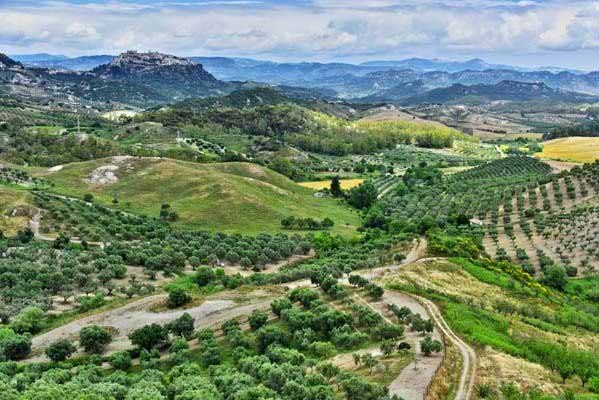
502 91
380 80
148 79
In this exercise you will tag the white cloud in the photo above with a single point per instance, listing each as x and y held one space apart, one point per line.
325 29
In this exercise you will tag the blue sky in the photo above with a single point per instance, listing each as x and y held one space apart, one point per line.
524 32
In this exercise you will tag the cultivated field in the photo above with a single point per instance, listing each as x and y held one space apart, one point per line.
576 149
346 184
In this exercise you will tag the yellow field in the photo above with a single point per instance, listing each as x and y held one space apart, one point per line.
577 149
345 184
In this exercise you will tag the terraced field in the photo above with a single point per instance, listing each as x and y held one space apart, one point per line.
555 222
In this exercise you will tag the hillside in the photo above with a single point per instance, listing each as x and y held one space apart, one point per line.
505 90
231 197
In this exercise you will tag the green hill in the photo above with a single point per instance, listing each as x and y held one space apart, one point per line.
231 197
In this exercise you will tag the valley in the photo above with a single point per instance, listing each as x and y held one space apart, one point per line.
209 228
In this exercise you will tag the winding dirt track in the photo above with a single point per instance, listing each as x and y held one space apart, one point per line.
412 384
468 375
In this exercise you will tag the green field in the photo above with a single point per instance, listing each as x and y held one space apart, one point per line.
230 197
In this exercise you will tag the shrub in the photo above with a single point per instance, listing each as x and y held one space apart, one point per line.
177 297
279 305
555 277
257 319
13 346
94 339
429 346
150 336
204 276
593 384
322 349
121 360
30 320
60 350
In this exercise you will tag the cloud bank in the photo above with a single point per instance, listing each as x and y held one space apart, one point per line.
319 29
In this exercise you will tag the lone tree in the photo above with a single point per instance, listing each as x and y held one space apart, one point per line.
149 336
336 187
60 350
177 297
94 339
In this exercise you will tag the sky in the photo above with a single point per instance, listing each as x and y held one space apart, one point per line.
561 33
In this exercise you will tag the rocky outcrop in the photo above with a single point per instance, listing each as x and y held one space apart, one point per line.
154 66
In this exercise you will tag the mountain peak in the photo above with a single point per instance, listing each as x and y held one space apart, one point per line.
148 60
7 62
134 65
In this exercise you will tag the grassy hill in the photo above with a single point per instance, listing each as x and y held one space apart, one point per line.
231 197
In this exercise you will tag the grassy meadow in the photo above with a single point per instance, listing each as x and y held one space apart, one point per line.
230 197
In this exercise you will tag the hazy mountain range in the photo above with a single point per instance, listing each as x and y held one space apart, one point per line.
154 78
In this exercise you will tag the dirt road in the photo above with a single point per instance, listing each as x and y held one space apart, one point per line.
413 381
126 319
468 375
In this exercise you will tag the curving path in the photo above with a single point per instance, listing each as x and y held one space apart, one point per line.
468 375
126 319
414 380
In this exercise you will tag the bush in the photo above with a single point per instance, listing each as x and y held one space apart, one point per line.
94 339
30 320
60 350
374 291
121 360
13 346
178 345
257 319
149 336
177 297
429 346
322 349
204 276
279 305
555 277
182 326
88 303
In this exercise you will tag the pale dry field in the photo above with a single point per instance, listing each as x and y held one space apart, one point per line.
576 149
319 185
